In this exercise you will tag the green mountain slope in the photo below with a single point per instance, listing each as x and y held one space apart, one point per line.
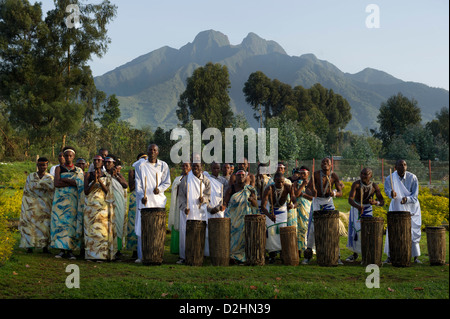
149 86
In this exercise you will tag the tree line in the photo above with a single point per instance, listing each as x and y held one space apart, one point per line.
48 99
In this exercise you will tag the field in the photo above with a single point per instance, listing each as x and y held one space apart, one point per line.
41 276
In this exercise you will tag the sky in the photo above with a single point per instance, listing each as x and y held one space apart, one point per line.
407 39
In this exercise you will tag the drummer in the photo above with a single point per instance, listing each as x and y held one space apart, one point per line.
278 196
152 179
362 190
321 188
194 193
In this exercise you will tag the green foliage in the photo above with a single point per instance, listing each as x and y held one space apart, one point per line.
395 116
206 98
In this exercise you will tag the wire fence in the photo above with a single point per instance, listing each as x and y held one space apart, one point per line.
428 172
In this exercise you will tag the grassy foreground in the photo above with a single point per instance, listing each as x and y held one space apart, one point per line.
41 276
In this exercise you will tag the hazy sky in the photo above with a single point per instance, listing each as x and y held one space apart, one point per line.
411 41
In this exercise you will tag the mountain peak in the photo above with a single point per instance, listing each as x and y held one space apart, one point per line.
210 38
258 45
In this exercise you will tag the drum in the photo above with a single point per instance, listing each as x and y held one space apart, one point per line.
289 245
153 228
219 241
195 242
255 239
372 240
436 245
326 235
400 240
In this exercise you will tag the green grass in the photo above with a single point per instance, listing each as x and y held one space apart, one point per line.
42 276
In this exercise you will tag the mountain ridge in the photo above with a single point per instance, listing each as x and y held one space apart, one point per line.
148 87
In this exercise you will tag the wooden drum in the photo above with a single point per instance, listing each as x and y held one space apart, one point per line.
289 245
436 245
195 242
255 239
326 235
372 240
400 238
153 228
219 241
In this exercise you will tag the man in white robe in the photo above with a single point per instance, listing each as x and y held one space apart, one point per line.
219 185
152 180
404 197
194 194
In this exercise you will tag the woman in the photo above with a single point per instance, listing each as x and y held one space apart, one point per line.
67 209
99 227
118 197
131 234
240 200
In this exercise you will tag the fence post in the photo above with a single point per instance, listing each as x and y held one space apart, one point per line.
429 170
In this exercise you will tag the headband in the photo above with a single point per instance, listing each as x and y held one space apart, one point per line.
240 172
109 159
69 150
281 165
98 157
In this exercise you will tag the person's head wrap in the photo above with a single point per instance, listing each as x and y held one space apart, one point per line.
98 157
109 159
241 172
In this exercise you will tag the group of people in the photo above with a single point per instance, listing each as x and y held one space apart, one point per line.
72 209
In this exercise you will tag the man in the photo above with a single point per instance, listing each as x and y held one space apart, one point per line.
361 201
240 200
36 209
174 212
261 182
243 166
219 185
61 161
194 194
152 180
320 187
404 194
277 194
226 171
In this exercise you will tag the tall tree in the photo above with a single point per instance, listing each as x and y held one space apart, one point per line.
396 114
257 91
42 89
206 98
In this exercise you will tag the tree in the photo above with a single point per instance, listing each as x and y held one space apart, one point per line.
206 98
439 126
257 91
395 115
43 64
111 111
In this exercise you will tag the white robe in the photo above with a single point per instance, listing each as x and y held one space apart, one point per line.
145 176
217 193
174 216
273 241
412 207
196 212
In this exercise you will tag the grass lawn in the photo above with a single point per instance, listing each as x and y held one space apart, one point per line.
42 276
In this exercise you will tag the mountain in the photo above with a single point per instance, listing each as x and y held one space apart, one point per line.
149 86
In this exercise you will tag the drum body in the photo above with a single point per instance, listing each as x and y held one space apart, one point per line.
372 240
289 245
153 228
255 239
219 241
326 235
400 238
195 242
436 245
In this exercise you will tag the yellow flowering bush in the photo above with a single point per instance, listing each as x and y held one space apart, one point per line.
434 208
10 206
